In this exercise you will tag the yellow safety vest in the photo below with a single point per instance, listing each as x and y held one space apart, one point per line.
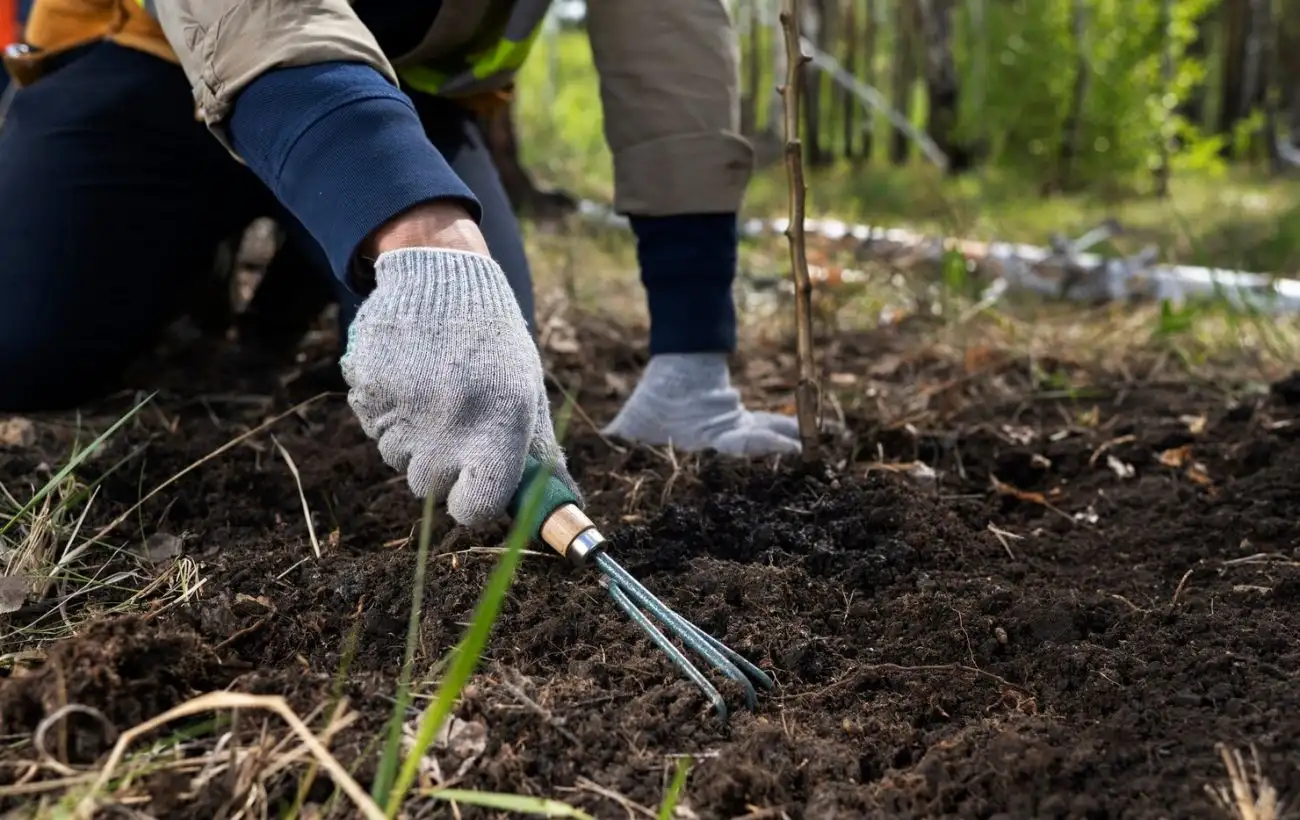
488 70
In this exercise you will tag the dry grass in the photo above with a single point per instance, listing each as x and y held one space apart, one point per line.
1247 795
244 770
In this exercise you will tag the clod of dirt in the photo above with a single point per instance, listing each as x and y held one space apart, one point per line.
1288 389
126 668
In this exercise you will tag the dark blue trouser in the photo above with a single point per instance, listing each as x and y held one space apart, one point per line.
113 200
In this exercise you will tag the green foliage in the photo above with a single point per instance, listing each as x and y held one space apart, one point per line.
1126 109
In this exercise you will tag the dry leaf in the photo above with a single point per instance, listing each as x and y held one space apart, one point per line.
843 379
17 432
918 471
617 384
1197 475
1019 434
1177 456
13 592
1120 468
162 546
979 357
1195 424
886 365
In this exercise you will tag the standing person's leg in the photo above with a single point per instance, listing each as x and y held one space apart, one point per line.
112 201
455 134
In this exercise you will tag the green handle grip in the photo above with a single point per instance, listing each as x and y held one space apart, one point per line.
554 494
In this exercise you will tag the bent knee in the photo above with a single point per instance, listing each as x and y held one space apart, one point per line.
43 370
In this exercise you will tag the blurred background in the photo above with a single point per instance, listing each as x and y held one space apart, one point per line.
997 119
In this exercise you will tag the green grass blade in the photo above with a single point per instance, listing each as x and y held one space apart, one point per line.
471 649
514 803
678 785
466 656
387 770
73 463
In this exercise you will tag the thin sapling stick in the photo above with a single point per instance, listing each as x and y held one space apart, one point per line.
806 391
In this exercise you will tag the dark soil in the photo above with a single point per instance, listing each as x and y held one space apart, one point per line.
1083 665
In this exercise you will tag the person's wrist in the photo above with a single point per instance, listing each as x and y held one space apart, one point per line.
442 224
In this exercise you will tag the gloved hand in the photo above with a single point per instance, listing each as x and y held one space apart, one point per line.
445 376
686 399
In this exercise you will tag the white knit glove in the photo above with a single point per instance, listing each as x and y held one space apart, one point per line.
445 376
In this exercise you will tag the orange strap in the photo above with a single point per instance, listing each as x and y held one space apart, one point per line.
11 31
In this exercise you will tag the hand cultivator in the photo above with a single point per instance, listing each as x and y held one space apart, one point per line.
566 529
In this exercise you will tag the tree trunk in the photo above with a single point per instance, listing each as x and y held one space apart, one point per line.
903 76
1072 128
814 30
1166 85
775 104
941 84
1266 22
870 35
848 105
1234 18
1192 108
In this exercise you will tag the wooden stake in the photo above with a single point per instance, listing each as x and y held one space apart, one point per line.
806 392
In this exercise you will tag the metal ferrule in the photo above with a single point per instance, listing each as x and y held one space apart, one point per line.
571 533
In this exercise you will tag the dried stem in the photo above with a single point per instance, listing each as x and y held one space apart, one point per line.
806 392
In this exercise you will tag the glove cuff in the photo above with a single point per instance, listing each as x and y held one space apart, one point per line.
432 284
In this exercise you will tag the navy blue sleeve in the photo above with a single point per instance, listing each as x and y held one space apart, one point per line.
343 150
688 265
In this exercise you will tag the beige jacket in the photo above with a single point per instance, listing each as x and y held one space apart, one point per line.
669 79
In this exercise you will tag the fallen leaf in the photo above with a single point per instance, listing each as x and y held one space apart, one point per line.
17 432
465 740
13 591
1176 456
886 365
1197 475
562 344
617 384
843 379
979 357
1019 434
162 546
918 471
1120 468
1195 424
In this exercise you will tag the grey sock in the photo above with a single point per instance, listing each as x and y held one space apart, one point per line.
686 400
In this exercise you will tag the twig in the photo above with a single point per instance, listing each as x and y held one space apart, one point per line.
233 700
1002 536
302 496
517 690
1181 584
586 785
806 391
